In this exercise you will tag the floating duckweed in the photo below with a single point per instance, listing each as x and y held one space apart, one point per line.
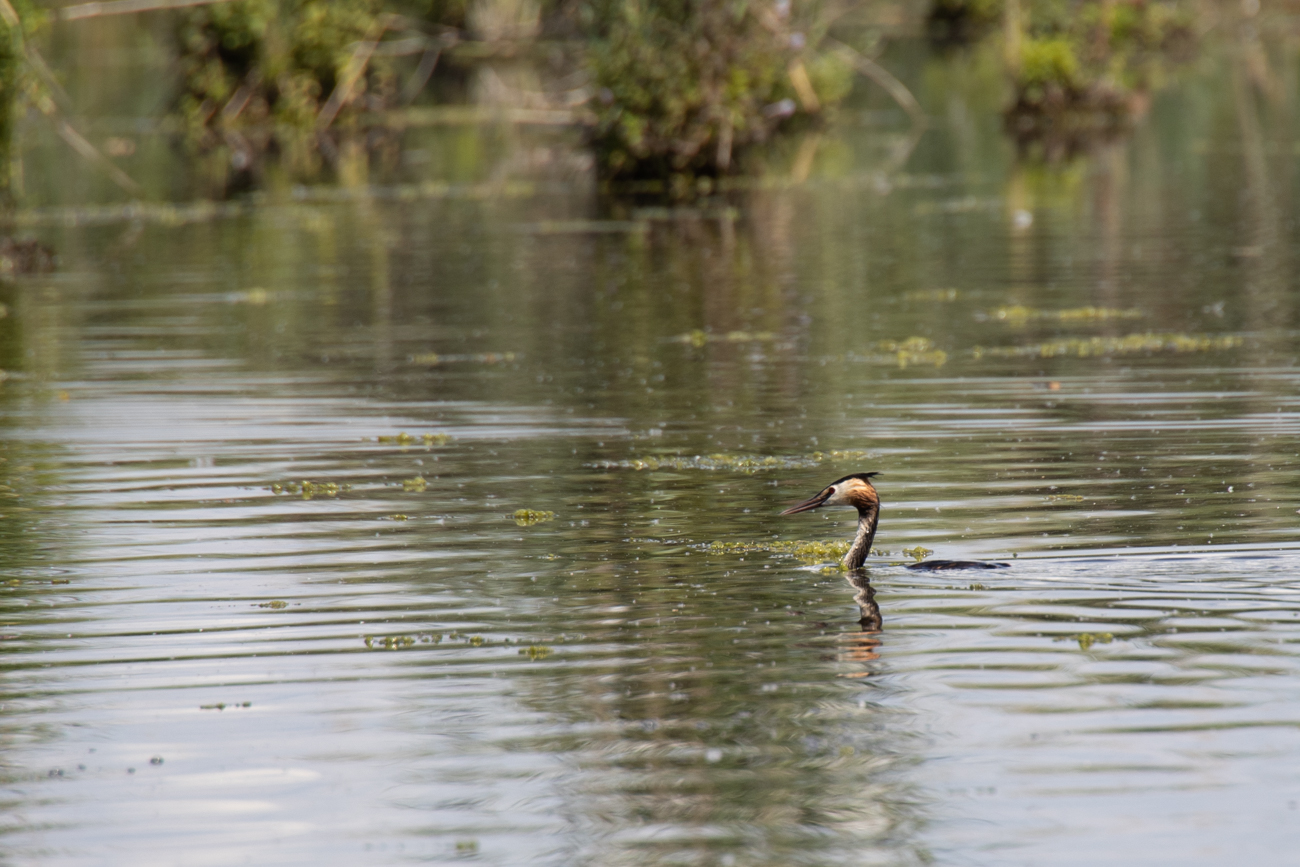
406 439
400 517
401 642
433 359
736 462
309 490
529 517
1018 314
476 640
394 642
415 485
698 338
912 351
808 552
931 295
274 603
1088 639
1064 498
918 553
1128 345
397 642
535 651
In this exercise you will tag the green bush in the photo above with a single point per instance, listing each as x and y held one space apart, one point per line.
684 86
1083 66
285 55
1049 61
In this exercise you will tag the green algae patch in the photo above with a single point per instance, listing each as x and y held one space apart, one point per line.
910 352
277 604
804 551
529 517
1131 344
401 642
405 439
535 651
309 490
1088 639
415 485
913 351
434 359
918 553
698 338
1018 314
1064 498
742 463
391 642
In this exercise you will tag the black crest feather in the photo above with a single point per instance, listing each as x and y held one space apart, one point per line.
866 477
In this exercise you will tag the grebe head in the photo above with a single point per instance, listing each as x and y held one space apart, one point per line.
855 490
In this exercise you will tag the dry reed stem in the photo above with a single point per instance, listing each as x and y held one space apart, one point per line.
126 7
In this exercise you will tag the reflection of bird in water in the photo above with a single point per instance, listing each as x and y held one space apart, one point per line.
857 491
862 646
866 598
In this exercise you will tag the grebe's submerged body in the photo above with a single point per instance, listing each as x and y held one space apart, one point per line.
857 491
936 565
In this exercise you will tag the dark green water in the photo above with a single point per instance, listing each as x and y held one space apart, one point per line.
1087 370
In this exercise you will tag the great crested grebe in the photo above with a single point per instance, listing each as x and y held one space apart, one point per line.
857 491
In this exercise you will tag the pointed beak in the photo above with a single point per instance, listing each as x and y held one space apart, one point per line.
808 504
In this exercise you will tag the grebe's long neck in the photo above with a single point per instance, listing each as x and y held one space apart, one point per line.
861 547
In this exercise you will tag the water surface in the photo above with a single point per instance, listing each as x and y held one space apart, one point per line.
266 600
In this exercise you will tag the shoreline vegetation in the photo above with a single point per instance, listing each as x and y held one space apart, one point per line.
672 98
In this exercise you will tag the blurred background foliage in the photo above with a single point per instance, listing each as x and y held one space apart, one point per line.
19 20
682 86
1088 66
668 96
